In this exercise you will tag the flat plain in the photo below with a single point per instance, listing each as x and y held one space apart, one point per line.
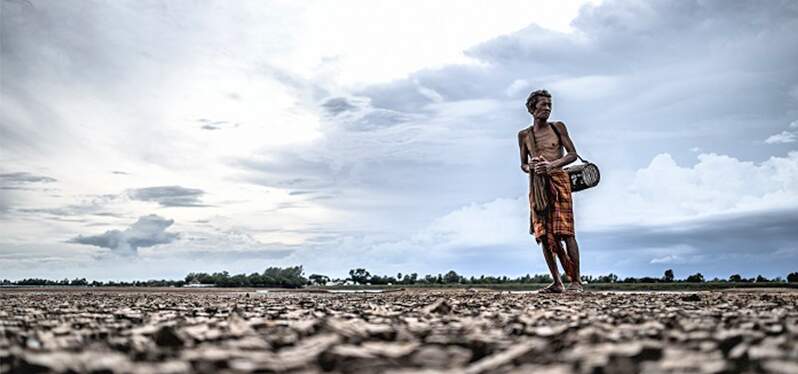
417 330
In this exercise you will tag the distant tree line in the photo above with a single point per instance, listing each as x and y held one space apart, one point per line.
363 276
83 282
290 277
293 277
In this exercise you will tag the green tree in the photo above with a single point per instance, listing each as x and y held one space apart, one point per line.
359 276
451 277
792 277
695 278
668 277
319 279
735 278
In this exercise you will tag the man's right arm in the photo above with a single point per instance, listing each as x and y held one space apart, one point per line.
524 151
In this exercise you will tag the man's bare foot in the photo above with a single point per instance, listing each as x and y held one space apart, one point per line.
575 287
552 288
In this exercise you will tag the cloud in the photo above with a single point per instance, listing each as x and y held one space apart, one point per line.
783 137
664 191
421 170
742 242
337 105
18 180
763 231
659 195
648 49
636 99
169 196
716 213
215 125
13 185
147 231
669 259
495 223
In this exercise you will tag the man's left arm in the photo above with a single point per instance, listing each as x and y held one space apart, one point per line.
570 150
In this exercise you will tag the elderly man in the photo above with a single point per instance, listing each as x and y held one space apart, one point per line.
551 216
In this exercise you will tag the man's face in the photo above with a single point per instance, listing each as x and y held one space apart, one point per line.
542 108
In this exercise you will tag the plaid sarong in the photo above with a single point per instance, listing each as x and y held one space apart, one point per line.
559 220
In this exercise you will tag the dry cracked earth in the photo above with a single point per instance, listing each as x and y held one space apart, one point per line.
430 331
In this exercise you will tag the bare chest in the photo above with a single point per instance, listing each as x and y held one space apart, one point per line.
544 142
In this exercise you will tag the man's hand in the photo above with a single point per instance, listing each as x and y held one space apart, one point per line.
540 165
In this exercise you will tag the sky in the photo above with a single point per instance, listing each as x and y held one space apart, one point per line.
150 139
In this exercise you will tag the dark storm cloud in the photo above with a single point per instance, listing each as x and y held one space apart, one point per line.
664 76
748 243
765 231
619 37
147 231
169 196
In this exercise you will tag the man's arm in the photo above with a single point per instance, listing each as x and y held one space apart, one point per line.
570 155
524 151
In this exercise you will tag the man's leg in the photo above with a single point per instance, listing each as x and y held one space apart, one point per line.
555 272
573 255
563 257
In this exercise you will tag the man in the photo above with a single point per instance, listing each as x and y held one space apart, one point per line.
551 216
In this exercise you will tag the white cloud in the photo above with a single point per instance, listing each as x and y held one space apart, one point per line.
498 222
369 42
669 259
516 87
663 193
783 137
666 192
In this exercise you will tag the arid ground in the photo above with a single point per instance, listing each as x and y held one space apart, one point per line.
458 331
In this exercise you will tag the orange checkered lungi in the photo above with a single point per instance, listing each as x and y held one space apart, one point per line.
559 220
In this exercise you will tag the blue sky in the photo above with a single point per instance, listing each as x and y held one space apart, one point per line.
152 139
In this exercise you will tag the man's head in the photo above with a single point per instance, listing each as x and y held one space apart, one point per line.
539 104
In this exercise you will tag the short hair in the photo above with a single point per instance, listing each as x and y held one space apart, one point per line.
532 100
